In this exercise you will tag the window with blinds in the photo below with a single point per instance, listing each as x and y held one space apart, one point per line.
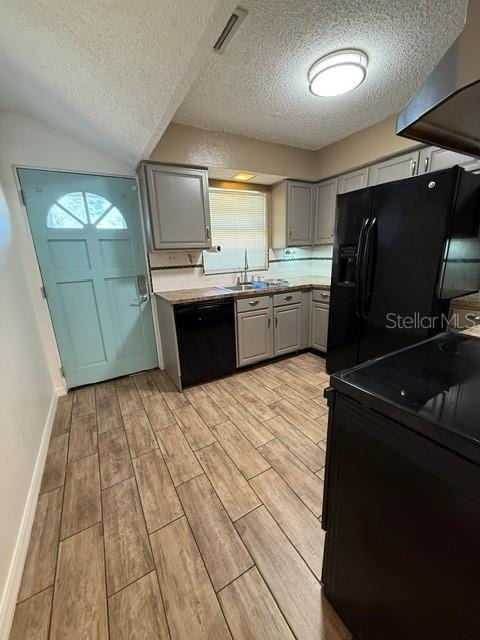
238 222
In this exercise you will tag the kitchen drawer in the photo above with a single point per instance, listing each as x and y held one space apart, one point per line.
290 297
252 304
321 295
464 318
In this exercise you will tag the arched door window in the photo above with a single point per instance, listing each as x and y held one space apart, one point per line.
79 209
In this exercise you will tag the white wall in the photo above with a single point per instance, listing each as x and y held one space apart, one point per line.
29 376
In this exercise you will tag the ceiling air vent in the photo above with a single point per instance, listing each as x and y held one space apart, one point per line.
235 20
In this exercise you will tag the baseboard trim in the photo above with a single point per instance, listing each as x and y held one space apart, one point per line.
12 586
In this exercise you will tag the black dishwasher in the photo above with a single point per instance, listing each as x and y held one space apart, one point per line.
206 340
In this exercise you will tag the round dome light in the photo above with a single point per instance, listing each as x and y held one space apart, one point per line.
338 72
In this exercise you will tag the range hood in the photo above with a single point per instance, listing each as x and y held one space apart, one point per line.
445 111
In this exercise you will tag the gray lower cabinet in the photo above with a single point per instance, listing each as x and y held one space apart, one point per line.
176 206
254 336
319 326
287 329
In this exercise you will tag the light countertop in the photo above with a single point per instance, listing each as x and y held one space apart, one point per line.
182 296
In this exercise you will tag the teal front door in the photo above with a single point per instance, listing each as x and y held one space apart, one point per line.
88 238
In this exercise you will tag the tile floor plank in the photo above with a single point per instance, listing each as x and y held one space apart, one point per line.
218 394
255 386
140 436
259 409
267 378
309 453
81 504
83 401
223 551
39 570
289 579
136 612
193 427
298 523
145 384
241 451
192 609
115 464
79 602
109 416
311 406
56 463
251 428
83 437
307 486
63 415
158 412
210 413
173 397
231 487
179 458
157 494
128 396
32 617
251 611
127 550
311 428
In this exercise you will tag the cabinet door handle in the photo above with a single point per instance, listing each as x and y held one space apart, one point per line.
426 164
287 297
276 321
413 167
269 321
253 303
207 229
290 233
324 295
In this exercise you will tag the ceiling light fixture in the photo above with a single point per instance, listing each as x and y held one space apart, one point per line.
244 177
338 72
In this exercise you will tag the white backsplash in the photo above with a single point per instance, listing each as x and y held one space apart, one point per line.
176 270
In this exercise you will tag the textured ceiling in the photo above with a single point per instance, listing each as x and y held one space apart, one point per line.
109 72
258 87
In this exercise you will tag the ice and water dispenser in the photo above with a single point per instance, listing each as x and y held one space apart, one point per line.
347 264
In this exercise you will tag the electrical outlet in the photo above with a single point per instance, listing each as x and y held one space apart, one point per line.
172 257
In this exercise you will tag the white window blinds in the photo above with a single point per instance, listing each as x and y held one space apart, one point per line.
238 221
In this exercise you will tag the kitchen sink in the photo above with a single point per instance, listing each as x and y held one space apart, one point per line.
241 287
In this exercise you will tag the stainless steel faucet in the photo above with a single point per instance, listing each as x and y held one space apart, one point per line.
245 271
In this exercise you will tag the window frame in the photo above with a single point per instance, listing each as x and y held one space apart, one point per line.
255 188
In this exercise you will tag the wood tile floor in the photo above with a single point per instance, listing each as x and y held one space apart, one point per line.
186 516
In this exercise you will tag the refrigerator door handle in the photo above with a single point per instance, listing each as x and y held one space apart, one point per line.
368 270
359 267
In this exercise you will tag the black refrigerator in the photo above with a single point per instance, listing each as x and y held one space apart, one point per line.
402 251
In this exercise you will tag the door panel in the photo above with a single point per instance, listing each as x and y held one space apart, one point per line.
319 326
345 327
325 205
299 213
287 329
352 181
254 336
410 231
397 168
88 239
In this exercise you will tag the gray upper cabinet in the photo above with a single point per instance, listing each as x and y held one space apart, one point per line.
396 168
176 203
352 181
435 159
325 199
299 214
